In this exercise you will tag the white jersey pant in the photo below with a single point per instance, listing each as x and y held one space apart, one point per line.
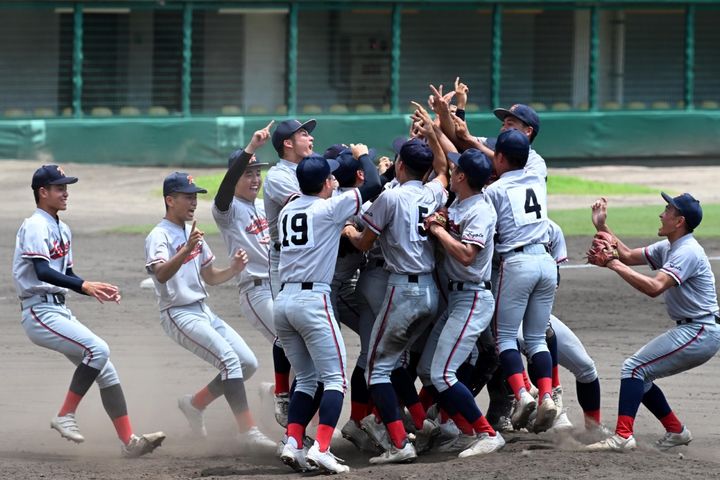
679 349
256 305
525 294
571 352
311 337
274 262
55 327
410 305
197 329
372 285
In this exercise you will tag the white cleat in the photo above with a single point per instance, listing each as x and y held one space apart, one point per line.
458 444
597 428
556 395
254 441
376 431
547 411
295 458
523 408
561 424
67 427
140 445
425 437
670 440
406 454
193 415
325 461
614 443
352 432
483 445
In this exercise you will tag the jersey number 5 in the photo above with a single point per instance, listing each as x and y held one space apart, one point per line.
422 213
531 203
299 226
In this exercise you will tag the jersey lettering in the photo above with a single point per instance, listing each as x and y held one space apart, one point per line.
531 203
296 230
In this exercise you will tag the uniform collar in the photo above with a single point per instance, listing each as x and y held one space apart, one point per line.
288 163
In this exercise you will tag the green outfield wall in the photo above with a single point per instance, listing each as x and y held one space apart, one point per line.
600 136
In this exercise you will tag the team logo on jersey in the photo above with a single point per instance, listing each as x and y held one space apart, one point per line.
196 251
59 250
257 226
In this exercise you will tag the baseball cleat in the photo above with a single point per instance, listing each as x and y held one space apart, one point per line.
670 439
352 432
449 433
523 408
295 458
484 444
325 461
556 394
546 414
614 443
67 427
140 445
458 444
193 415
596 428
406 454
255 441
561 424
281 402
425 437
376 431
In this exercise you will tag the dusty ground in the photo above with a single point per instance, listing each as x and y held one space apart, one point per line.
611 319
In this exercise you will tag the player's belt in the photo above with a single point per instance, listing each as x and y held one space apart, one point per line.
379 263
55 298
522 249
454 286
276 246
257 282
695 320
303 286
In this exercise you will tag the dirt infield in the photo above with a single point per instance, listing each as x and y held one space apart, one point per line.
610 318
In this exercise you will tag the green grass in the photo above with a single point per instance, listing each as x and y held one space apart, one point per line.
568 185
632 221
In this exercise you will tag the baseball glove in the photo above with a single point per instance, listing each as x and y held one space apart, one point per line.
601 252
607 237
438 218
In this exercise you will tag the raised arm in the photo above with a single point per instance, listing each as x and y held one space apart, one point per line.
626 255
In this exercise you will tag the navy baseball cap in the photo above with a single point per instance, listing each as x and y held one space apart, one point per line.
473 163
416 154
347 168
688 207
50 175
513 143
333 151
490 143
313 170
285 130
523 113
254 161
180 182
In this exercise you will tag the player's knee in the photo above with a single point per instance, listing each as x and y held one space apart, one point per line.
440 379
586 373
631 369
100 354
249 366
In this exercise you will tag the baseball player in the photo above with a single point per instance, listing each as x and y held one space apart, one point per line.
687 284
179 260
43 275
396 219
467 238
309 229
527 276
240 217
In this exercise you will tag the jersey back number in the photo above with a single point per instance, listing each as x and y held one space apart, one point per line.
296 230
529 204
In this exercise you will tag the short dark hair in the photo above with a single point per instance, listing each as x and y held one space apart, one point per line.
36 194
473 182
414 173
516 160
313 189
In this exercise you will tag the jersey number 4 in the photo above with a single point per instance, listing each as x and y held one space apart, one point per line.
298 224
532 204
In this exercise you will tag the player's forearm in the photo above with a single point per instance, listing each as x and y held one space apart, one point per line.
372 185
439 164
226 190
463 253
166 270
447 126
215 276
363 241
625 254
46 274
648 285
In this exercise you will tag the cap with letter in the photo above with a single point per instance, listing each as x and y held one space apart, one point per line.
254 162
688 206
523 113
287 128
50 175
180 182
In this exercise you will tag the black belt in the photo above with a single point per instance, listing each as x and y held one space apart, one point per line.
522 249
690 320
303 286
413 279
276 246
257 282
379 263
459 286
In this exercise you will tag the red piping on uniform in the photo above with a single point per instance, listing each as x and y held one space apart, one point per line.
337 346
357 202
27 254
374 227
89 352
702 329
649 260
497 301
457 342
381 330
247 297
224 367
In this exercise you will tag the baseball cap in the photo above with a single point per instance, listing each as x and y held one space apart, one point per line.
50 175
313 170
347 168
254 162
522 112
180 182
333 151
473 163
285 130
490 142
398 143
416 154
688 207
513 143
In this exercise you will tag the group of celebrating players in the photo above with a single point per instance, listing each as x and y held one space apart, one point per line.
443 261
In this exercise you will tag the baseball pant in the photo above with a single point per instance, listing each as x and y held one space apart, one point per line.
354 311
372 285
679 349
526 287
197 329
410 305
256 305
55 327
274 262
311 337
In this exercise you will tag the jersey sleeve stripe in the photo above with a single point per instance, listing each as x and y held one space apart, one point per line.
473 241
290 198
357 201
209 260
674 275
35 255
156 260
648 259
372 226
561 260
